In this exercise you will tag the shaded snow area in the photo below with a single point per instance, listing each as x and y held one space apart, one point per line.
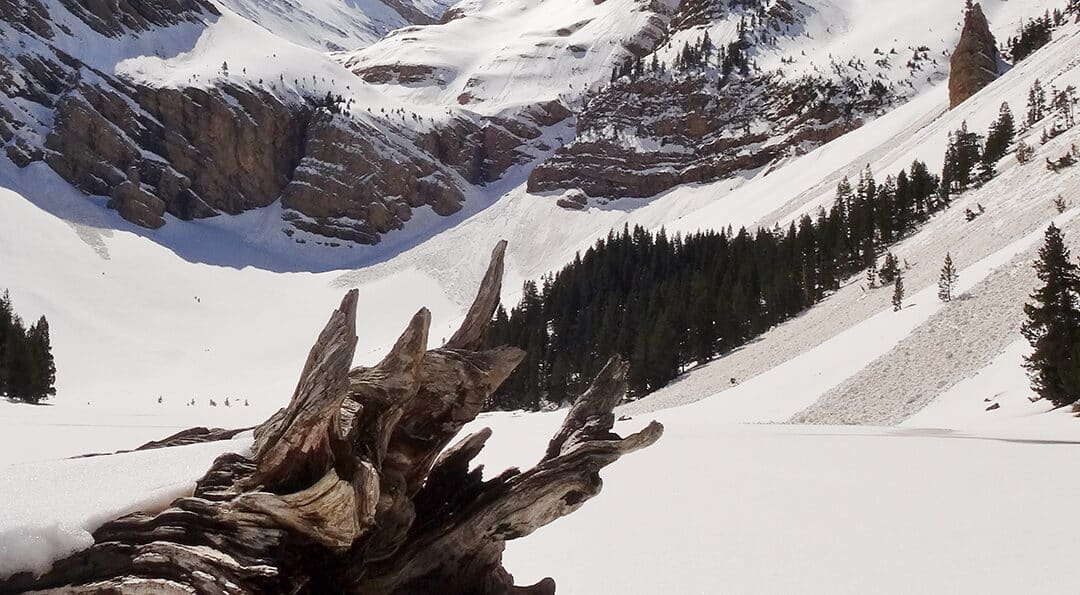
332 25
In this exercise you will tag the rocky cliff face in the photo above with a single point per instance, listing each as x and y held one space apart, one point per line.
195 152
974 64
188 152
113 18
640 138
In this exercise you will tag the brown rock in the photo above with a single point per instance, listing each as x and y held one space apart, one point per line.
114 18
353 185
689 133
26 15
974 64
195 153
198 152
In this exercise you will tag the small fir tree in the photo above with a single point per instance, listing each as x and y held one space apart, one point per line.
898 293
1000 136
890 269
947 280
1024 152
1036 104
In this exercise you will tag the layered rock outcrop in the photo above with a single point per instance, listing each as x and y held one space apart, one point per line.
188 152
113 18
974 64
640 138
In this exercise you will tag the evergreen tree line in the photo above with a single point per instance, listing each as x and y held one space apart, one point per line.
665 303
27 371
970 159
1038 32
695 57
1033 35
1060 103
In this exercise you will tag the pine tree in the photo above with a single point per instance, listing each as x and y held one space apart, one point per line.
947 280
898 293
1053 324
961 157
6 317
871 275
1036 104
1000 136
924 185
27 372
890 269
1024 152
19 361
43 368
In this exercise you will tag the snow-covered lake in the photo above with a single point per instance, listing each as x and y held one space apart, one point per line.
712 507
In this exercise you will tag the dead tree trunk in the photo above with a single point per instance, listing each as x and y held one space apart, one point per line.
351 488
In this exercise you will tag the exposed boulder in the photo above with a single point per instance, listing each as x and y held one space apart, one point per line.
974 64
353 185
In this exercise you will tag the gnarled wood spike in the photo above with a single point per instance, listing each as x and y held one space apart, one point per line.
382 392
454 385
328 513
591 417
463 522
292 449
471 333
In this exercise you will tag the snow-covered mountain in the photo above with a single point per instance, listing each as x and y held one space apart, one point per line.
201 109
185 226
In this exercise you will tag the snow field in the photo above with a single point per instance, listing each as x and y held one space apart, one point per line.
767 509
519 52
51 507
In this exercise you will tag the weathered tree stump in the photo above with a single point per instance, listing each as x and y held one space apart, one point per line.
351 488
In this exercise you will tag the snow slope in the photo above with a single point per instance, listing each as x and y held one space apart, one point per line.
787 509
59 503
132 320
332 25
519 52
